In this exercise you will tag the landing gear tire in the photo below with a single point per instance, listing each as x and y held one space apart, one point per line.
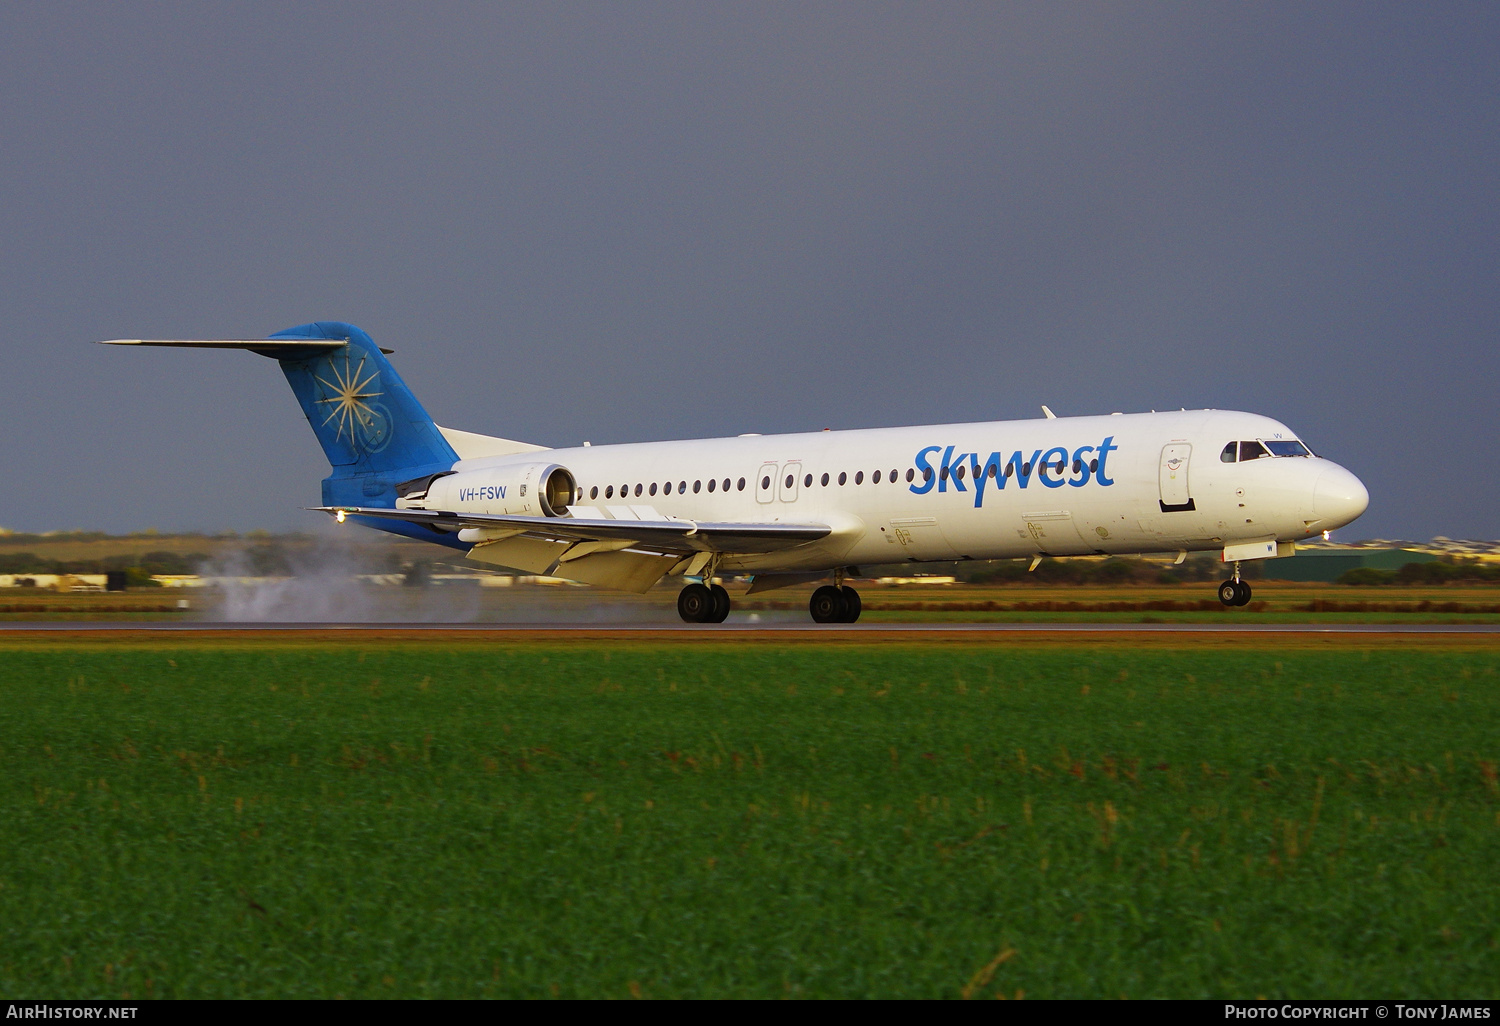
696 604
721 605
827 605
1234 593
852 604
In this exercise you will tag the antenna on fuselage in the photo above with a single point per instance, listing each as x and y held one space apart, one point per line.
1049 413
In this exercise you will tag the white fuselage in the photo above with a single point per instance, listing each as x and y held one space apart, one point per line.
1077 485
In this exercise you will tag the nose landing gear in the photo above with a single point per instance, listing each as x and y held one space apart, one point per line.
1234 592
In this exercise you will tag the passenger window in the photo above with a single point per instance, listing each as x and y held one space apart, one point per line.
893 477
875 477
726 484
910 473
681 487
741 487
1252 451
843 477
652 489
711 483
807 481
926 474
859 477
825 480
637 490
1227 455
959 473
697 487
789 479
765 482
594 492
609 491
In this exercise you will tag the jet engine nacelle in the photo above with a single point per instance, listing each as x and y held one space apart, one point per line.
523 489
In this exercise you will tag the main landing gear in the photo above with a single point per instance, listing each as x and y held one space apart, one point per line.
832 604
709 603
701 603
1234 592
836 602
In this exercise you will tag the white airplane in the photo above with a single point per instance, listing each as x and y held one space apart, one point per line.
792 509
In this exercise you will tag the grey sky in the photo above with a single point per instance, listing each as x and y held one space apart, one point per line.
633 221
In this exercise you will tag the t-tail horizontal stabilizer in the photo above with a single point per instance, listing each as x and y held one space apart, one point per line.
272 347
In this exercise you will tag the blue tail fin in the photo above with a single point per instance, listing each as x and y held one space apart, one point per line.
371 427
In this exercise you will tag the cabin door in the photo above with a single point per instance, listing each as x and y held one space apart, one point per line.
1173 478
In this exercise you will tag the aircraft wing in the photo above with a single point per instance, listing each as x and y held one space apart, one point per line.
676 537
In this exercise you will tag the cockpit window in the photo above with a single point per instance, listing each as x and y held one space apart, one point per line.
1284 448
1227 455
1252 451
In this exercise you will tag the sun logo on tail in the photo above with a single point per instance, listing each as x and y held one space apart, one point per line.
350 397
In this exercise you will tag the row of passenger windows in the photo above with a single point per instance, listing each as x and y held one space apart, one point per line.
681 487
666 489
843 478
1247 451
959 472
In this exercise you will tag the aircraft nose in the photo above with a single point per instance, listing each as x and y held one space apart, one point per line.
1340 497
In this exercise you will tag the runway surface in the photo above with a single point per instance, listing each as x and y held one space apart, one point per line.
707 630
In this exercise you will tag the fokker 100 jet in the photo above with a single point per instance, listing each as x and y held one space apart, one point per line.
798 508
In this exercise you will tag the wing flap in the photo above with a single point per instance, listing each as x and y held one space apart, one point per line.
623 571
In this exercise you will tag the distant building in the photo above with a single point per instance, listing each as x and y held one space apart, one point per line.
54 582
1330 564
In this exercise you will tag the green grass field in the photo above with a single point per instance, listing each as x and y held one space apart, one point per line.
604 819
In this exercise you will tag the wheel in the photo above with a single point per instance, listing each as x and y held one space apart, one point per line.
721 605
1229 593
852 604
1244 599
827 605
695 604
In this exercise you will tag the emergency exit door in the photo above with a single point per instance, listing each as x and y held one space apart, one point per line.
765 482
789 475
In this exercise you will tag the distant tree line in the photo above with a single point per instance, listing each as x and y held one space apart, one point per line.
147 565
1445 570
